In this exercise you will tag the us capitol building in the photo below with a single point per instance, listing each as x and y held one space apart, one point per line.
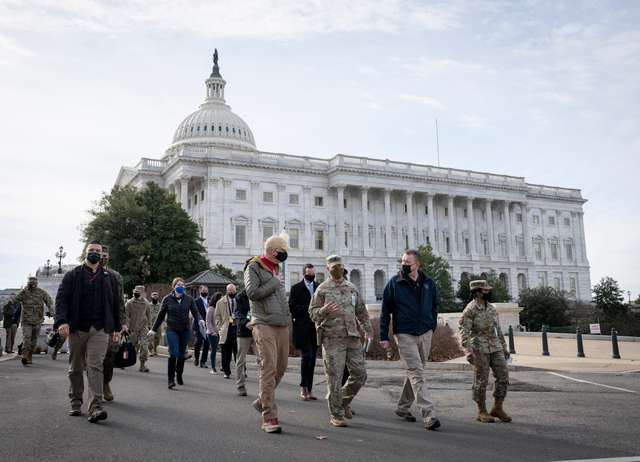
368 210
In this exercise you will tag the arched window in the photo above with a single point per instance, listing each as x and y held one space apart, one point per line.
522 282
505 279
378 283
356 280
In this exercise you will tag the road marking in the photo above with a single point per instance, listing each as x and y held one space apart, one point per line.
614 459
598 385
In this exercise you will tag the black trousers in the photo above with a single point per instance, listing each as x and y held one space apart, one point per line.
229 348
308 365
200 343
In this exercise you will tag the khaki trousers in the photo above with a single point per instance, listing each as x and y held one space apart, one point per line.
30 334
273 347
414 351
87 348
244 343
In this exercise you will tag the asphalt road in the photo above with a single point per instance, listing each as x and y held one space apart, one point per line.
555 419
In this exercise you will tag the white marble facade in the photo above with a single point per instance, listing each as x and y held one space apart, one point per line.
367 210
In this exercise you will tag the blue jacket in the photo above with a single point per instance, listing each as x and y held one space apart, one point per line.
408 314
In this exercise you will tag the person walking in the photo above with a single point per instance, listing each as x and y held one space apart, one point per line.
242 316
227 328
138 315
33 299
335 307
304 330
264 283
10 327
156 339
176 307
201 343
212 330
410 302
87 312
486 349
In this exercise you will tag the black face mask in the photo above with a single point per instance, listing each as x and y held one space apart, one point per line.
204 294
154 299
93 257
406 270
310 277
232 295
282 256
136 295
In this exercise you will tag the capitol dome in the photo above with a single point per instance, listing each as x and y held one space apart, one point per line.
214 124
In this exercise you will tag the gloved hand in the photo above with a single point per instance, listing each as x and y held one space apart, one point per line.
151 333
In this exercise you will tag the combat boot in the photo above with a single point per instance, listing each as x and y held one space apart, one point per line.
106 392
483 416
337 422
348 412
179 371
143 368
498 411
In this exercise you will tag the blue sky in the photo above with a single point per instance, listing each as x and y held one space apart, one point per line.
544 90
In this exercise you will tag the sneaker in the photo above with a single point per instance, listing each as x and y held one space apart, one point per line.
257 405
97 415
431 423
171 385
405 415
272 426
75 412
213 372
227 376
337 422
242 391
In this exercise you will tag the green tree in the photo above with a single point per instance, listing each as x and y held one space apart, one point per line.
151 238
543 305
609 298
227 272
437 268
499 291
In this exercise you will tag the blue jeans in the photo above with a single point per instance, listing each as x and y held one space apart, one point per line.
177 340
213 342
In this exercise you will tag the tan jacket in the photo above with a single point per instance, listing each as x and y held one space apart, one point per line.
138 314
222 316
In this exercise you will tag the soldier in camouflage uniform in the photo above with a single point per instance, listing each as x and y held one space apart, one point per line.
155 309
33 300
113 347
335 307
486 349
138 315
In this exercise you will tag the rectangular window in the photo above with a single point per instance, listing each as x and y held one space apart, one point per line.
368 205
267 196
521 248
318 201
267 232
195 199
569 249
448 245
446 211
554 250
346 238
241 236
538 247
484 216
541 280
552 220
406 241
344 203
567 222
241 194
294 238
536 219
466 246
294 199
429 241
556 284
202 195
426 210
572 285
503 248
464 213
319 239
501 216
405 208
189 203
485 246
518 218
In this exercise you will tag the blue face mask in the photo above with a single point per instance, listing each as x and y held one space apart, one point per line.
180 290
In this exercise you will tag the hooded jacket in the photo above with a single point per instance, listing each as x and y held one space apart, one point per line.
266 294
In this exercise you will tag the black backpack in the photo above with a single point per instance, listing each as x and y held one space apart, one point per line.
126 355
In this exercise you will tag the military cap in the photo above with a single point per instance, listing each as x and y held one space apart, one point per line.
333 260
154 293
33 278
479 284
138 290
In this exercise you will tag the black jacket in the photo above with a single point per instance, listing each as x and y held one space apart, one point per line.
410 315
304 330
68 300
241 313
177 312
203 315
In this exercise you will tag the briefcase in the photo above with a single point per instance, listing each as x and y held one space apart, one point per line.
126 355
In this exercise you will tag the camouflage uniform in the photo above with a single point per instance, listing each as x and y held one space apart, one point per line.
33 300
481 334
338 334
138 316
155 340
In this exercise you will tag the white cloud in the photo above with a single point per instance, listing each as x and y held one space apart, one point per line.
474 121
426 100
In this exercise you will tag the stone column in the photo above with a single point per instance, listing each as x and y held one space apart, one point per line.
410 219
227 227
184 192
507 229
340 220
307 238
387 221
577 250
211 224
526 233
452 227
560 242
488 211
472 228
256 241
432 216
583 240
543 225
366 248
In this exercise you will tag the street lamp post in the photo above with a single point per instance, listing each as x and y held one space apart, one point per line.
629 296
60 254
47 268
